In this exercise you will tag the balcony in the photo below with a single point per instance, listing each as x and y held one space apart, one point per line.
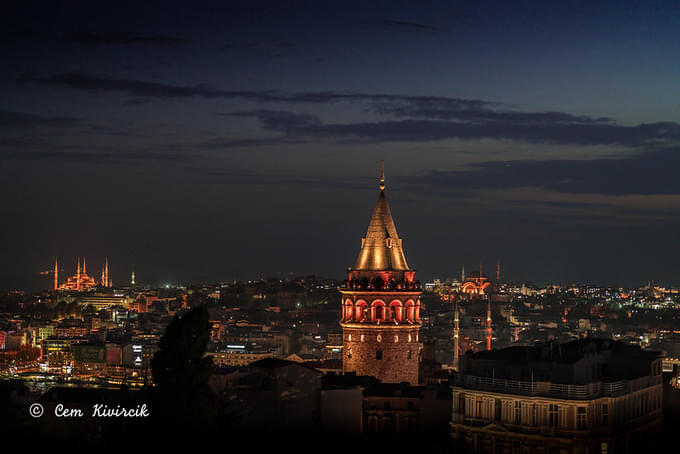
557 390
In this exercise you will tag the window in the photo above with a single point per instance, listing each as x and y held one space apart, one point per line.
379 313
461 403
349 353
553 415
534 415
408 354
378 354
518 412
581 418
604 448
605 414
478 407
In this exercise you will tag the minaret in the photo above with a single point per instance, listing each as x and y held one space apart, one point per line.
132 278
381 304
106 273
84 270
456 335
498 271
488 324
479 282
56 274
462 275
78 275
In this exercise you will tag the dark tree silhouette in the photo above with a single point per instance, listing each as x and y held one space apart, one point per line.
181 371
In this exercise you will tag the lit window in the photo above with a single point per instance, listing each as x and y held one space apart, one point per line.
581 418
553 415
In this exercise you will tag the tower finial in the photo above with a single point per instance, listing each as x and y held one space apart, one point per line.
382 175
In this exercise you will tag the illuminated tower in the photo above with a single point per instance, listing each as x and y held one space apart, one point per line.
498 272
56 274
456 335
381 305
84 270
78 275
488 324
462 274
132 278
105 274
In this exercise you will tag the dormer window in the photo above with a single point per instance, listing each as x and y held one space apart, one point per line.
388 242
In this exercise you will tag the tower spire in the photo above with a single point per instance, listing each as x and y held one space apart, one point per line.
382 176
56 273
488 324
498 271
78 275
106 273
84 270
456 334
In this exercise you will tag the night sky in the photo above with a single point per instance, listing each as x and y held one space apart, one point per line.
214 141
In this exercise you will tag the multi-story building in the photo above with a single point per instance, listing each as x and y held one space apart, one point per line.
381 305
238 355
585 396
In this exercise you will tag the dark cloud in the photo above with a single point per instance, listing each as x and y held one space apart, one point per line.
549 127
99 157
20 120
402 26
139 88
277 120
127 39
654 172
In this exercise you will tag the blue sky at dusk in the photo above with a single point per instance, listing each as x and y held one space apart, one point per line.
201 142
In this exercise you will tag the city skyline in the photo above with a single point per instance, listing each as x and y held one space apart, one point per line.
243 140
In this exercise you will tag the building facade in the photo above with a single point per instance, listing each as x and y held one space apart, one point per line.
573 405
381 305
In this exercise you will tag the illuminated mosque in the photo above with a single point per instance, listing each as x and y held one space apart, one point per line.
476 284
81 280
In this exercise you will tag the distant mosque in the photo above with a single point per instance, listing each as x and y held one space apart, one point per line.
81 280
476 284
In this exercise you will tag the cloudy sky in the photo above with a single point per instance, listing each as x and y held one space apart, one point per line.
211 141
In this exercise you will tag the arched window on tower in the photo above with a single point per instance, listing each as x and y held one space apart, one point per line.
378 311
410 311
396 311
349 311
360 309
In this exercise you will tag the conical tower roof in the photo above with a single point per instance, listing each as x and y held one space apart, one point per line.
381 248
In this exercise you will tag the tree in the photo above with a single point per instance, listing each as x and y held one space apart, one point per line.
181 371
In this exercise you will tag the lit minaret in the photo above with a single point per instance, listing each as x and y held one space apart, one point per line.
78 275
132 278
456 335
488 324
56 274
105 274
498 272
84 270
462 274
